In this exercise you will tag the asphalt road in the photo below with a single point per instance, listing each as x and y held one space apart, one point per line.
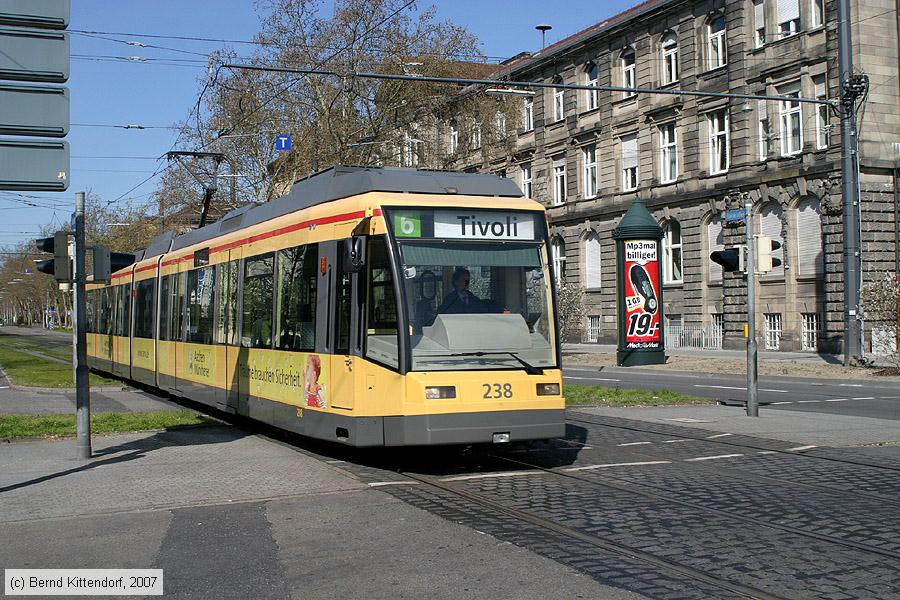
862 399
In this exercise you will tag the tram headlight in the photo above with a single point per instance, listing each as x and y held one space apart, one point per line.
548 389
439 392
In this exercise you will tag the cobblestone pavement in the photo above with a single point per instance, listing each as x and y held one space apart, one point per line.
654 508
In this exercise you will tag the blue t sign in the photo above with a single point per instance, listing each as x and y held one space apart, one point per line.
283 142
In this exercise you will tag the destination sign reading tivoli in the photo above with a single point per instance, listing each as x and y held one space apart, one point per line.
483 225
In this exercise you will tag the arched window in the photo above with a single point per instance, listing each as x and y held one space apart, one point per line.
672 260
770 225
716 48
810 252
627 61
592 273
591 77
669 58
558 256
716 240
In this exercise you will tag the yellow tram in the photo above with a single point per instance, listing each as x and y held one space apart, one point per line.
369 306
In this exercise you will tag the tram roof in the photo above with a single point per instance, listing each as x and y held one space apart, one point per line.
336 183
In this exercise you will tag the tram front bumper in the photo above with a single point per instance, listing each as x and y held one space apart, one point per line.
474 427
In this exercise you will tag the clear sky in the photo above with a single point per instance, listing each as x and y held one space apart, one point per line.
109 90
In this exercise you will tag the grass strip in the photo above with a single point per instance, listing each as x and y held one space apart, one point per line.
32 371
28 426
595 395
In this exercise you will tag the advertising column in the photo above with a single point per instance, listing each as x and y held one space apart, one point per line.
639 291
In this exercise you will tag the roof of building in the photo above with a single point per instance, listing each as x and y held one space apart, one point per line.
578 37
342 182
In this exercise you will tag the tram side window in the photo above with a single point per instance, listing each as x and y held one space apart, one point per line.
123 310
199 298
170 309
104 320
256 324
381 322
226 313
91 305
296 312
144 309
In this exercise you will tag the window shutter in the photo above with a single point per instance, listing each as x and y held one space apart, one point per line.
810 253
759 14
770 225
592 262
788 10
716 242
629 151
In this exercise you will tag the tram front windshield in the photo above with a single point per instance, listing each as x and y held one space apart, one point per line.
477 305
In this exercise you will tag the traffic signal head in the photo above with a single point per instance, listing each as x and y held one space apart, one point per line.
60 266
731 259
765 246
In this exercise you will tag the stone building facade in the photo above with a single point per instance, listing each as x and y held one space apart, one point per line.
585 154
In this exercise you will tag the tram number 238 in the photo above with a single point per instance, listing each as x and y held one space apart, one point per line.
497 390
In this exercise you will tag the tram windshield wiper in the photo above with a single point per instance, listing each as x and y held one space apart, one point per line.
529 368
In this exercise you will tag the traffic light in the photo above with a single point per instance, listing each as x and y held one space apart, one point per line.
765 246
106 263
60 266
731 259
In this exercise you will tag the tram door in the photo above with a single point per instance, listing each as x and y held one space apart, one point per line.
339 301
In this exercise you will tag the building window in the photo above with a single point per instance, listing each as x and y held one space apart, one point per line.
822 126
759 23
773 331
716 240
716 43
593 331
589 155
559 106
592 273
411 150
559 181
670 59
629 162
810 250
818 12
527 187
788 17
762 129
558 254
668 146
672 272
791 122
592 76
476 136
500 121
809 331
628 71
718 141
454 139
528 117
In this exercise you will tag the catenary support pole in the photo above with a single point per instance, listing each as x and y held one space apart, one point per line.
752 400
849 188
82 390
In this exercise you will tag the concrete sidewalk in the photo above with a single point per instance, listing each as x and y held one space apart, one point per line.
768 355
231 515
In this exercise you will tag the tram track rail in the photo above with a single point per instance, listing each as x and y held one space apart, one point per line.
622 550
632 487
